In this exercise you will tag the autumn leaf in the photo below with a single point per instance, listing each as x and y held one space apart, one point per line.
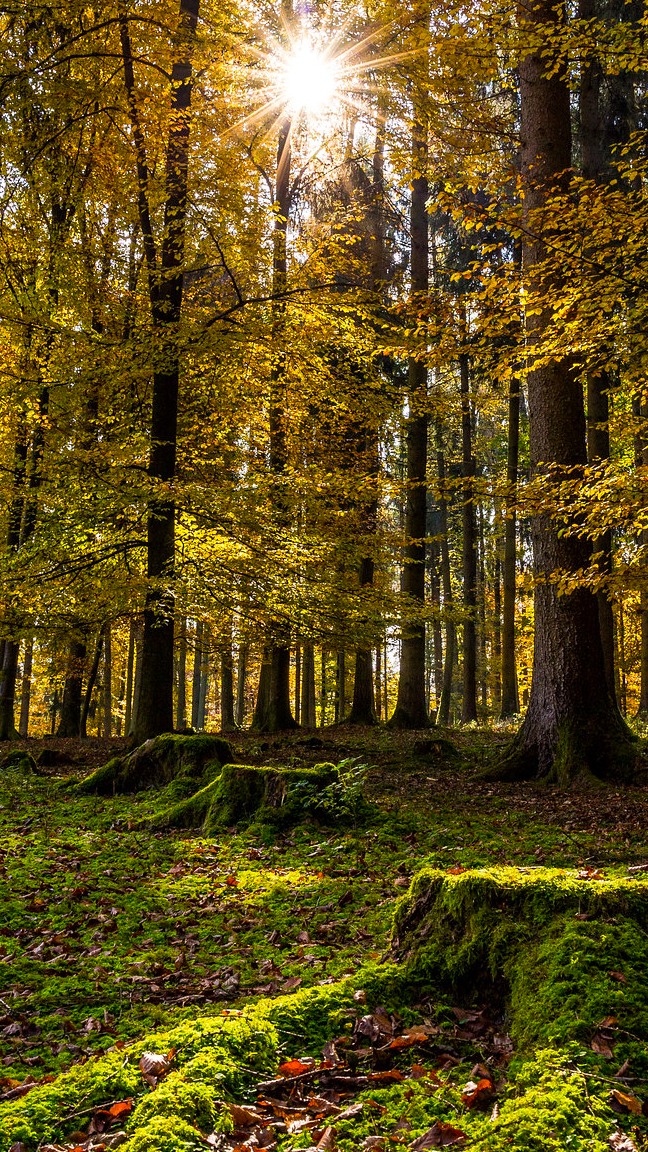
440 1135
622 1103
294 1068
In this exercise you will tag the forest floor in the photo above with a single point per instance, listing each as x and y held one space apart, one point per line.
111 937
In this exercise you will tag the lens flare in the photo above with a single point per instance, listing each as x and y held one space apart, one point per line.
310 79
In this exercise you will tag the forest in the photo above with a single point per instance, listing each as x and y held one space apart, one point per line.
323 595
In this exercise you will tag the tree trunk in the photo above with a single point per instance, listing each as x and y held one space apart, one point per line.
227 685
107 683
572 727
92 678
640 413
10 648
298 677
273 713
411 710
497 633
510 698
443 711
155 704
308 717
70 722
181 700
241 674
598 381
195 678
130 664
25 691
469 551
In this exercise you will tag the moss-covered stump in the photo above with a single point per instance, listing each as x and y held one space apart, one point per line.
19 761
185 762
564 951
243 792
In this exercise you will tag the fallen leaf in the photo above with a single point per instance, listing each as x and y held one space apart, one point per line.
478 1095
327 1141
440 1135
456 870
618 976
121 1108
294 1068
601 1046
245 1117
620 1102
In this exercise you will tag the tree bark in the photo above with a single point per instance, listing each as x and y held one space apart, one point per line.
228 723
468 552
195 678
155 704
181 700
598 381
443 711
107 682
272 712
308 717
241 675
411 710
70 722
25 691
130 664
510 698
92 678
572 727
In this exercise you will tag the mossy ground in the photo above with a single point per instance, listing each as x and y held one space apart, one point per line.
115 939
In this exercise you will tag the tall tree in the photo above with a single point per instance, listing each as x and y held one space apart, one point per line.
165 285
572 726
411 708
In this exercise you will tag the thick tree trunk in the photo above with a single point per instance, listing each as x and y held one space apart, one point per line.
298 678
497 635
510 698
107 683
443 711
130 665
92 679
228 723
181 699
241 676
25 691
10 648
598 381
572 727
640 414
468 551
155 704
272 712
411 710
308 717
70 722
195 677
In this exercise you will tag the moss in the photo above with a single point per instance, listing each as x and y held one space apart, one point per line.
213 1056
242 792
158 762
549 944
20 761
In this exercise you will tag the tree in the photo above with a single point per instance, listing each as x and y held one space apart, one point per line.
165 286
572 725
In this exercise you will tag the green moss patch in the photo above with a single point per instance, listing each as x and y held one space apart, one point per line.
183 760
243 792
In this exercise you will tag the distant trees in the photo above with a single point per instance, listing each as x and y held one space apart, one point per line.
279 369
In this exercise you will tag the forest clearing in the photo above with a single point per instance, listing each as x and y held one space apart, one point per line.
273 976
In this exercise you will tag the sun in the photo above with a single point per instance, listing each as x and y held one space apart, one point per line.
310 79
